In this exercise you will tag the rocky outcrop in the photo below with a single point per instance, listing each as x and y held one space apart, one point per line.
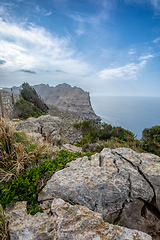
51 129
64 221
120 184
45 125
67 98
7 102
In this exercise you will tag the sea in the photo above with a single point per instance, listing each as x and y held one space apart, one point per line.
131 113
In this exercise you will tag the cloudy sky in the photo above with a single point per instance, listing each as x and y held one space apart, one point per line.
106 47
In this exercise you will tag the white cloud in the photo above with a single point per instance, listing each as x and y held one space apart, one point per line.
126 72
43 11
146 57
33 47
156 40
131 51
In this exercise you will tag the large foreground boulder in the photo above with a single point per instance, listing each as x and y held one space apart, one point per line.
120 184
64 221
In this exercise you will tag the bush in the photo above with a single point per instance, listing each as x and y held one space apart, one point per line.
150 141
93 131
24 109
30 95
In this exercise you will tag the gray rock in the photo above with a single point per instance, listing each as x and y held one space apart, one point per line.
66 221
53 129
67 98
115 183
46 125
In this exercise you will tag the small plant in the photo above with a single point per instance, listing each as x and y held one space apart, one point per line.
3 225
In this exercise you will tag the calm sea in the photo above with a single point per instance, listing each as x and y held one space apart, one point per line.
131 113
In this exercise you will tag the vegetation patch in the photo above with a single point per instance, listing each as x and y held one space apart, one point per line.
24 109
29 183
97 135
3 225
30 95
17 151
151 140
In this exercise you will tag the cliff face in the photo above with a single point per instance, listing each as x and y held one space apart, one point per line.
67 98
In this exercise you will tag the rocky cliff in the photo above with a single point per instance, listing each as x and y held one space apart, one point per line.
67 98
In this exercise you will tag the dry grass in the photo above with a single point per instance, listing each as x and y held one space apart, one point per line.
3 225
12 154
17 155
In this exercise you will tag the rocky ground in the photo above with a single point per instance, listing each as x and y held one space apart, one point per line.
102 198
54 129
89 198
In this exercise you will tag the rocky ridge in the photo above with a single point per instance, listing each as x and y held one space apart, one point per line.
64 98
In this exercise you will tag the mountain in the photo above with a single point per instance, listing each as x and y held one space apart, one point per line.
67 98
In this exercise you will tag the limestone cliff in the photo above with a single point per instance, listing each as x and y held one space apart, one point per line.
67 98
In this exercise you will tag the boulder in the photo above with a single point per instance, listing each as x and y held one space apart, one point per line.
53 129
120 184
46 125
64 221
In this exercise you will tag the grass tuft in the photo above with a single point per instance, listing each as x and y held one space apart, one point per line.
3 225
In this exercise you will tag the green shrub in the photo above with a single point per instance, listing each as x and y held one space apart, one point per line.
30 95
93 131
25 109
150 141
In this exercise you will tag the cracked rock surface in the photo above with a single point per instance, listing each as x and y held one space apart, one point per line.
120 184
65 221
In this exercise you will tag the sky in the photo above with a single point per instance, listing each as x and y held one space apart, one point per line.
106 47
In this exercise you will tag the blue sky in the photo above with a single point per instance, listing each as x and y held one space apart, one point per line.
106 47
